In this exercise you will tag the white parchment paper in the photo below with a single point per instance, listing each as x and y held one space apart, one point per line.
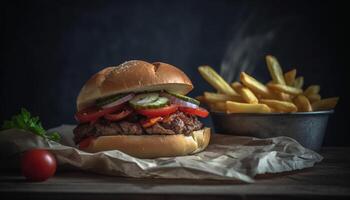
227 157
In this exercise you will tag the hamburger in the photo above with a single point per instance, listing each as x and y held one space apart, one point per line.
140 108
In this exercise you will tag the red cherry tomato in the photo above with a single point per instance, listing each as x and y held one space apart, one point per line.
94 112
118 116
156 112
201 112
38 165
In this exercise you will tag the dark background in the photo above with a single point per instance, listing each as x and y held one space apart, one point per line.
50 48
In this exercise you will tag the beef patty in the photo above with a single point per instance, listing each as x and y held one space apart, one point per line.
176 123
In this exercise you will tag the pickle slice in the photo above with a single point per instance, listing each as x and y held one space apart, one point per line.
144 98
185 98
148 100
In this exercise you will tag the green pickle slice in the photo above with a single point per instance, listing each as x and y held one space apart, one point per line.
148 100
185 98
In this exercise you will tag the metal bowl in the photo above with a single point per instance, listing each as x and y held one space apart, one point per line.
308 128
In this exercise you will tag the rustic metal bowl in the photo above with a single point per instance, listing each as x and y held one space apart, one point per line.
308 128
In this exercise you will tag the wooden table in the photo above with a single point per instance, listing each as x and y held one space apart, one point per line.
330 178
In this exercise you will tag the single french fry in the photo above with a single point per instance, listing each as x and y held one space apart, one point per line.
282 106
313 98
255 86
303 104
311 90
289 77
216 97
234 107
247 95
216 80
299 82
218 106
236 85
284 88
275 70
221 105
283 96
274 110
325 104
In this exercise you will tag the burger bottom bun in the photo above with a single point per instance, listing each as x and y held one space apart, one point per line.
152 146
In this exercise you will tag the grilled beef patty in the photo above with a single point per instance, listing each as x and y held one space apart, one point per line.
176 123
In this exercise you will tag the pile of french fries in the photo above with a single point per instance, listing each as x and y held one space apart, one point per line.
283 94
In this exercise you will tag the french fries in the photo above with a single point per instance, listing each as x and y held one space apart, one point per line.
299 82
254 85
312 90
282 94
289 77
302 103
325 104
218 106
236 85
313 98
235 107
216 97
282 106
275 70
216 80
245 92
284 88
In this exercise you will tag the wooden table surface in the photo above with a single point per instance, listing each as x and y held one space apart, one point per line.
330 178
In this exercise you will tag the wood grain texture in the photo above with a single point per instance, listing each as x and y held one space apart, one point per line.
330 178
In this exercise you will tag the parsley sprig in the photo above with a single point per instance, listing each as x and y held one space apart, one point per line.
25 121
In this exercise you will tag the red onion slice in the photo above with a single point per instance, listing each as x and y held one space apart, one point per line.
120 101
177 101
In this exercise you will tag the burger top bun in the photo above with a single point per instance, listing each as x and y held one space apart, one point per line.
133 76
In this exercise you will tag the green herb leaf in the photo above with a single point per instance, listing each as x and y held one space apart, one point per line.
54 136
24 121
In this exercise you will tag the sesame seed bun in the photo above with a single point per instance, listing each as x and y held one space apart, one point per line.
133 76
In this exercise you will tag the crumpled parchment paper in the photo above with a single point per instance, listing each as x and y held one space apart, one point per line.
226 157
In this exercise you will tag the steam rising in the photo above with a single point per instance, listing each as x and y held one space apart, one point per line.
245 50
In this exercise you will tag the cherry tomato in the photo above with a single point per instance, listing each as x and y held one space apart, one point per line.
38 165
201 112
150 122
94 112
120 115
156 112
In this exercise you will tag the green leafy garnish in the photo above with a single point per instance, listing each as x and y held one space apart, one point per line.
25 121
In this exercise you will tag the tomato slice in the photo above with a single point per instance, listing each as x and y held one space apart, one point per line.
156 112
86 142
201 112
94 112
118 116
